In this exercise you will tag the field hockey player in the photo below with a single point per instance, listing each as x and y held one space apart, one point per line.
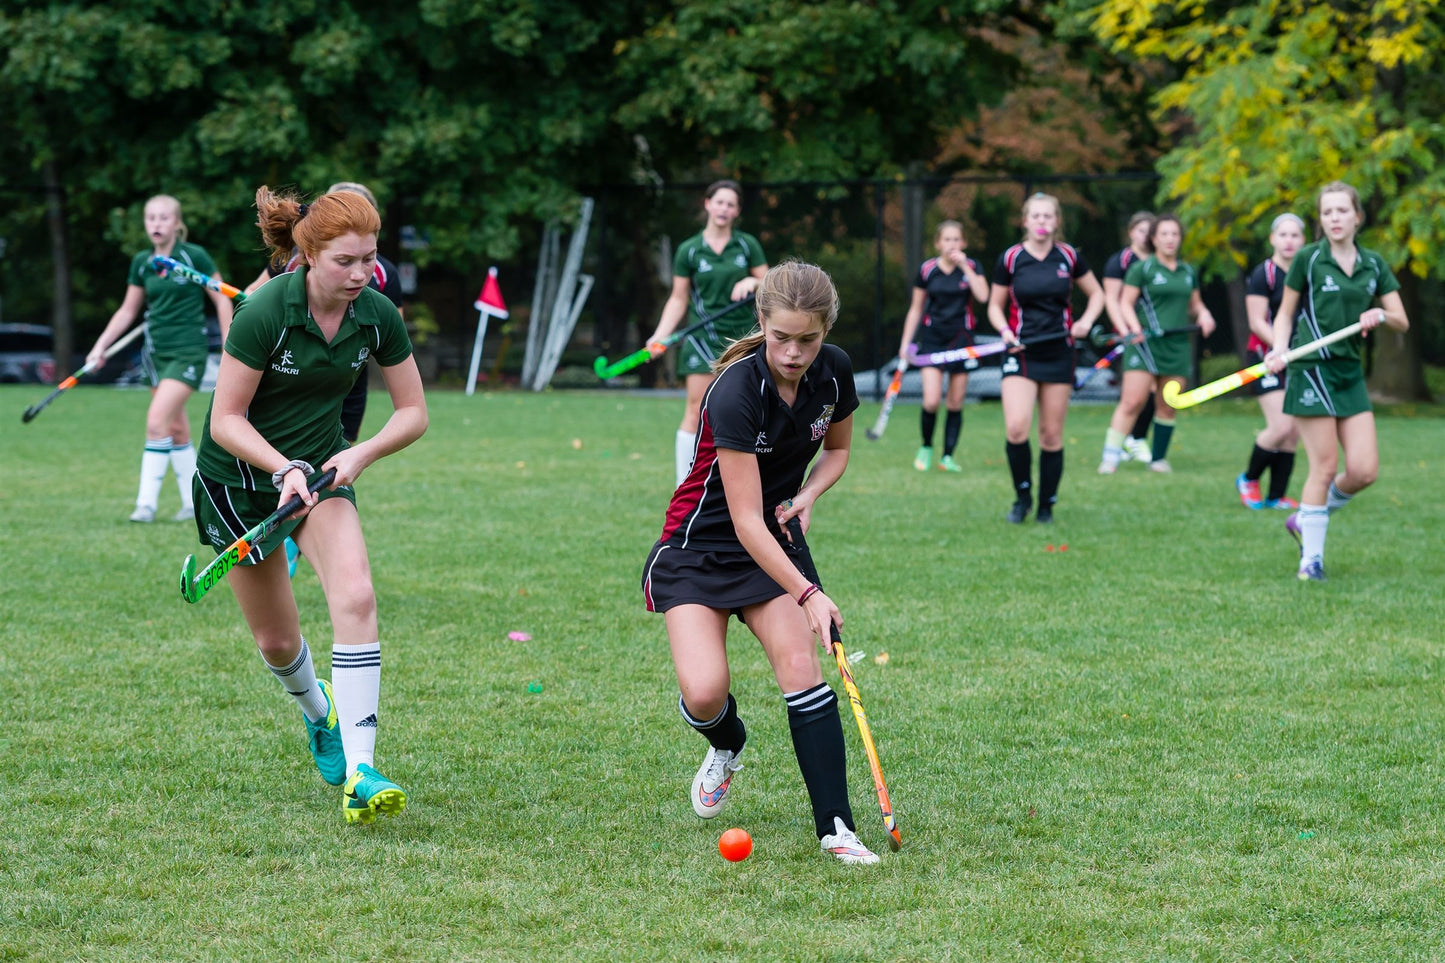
1274 448
290 359
1332 284
1030 307
1136 445
733 544
940 316
175 352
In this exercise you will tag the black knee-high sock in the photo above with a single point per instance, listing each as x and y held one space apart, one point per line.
818 743
1259 460
1020 465
927 421
1146 417
723 731
1279 471
952 427
1163 434
1051 469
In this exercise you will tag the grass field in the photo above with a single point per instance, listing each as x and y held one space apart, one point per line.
1154 746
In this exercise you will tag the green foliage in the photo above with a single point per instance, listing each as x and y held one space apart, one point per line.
1153 746
1273 99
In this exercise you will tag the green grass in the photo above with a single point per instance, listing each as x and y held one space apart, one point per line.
1153 746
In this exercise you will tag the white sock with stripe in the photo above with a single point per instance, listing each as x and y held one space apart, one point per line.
686 440
183 463
153 464
1336 499
1313 522
299 679
356 683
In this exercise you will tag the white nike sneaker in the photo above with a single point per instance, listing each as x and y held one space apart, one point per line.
714 778
844 844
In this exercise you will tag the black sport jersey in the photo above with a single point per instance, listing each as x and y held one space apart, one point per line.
1118 264
742 411
950 299
1039 291
1266 281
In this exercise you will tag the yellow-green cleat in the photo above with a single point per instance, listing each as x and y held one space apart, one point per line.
946 463
324 737
368 793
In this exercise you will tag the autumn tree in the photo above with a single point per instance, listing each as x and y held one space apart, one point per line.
1275 98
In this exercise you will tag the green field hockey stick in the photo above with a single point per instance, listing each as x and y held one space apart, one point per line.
194 585
162 263
646 353
69 383
1175 398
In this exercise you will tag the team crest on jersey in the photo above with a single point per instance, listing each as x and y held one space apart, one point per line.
1159 278
1329 284
1010 365
1308 397
214 534
703 266
1063 270
361 357
820 427
286 365
740 261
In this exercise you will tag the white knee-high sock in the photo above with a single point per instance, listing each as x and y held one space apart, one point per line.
1336 499
299 679
686 441
183 463
153 464
356 683
1314 520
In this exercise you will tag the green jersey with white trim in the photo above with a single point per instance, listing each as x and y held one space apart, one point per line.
713 276
1330 299
175 307
304 379
1164 294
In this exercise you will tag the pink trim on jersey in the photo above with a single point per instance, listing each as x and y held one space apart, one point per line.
689 495
1015 314
929 266
1271 271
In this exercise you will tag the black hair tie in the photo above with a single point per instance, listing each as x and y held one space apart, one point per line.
304 209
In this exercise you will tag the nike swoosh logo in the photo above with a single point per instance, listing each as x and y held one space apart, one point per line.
711 798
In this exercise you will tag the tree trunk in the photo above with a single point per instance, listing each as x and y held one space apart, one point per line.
1397 367
60 311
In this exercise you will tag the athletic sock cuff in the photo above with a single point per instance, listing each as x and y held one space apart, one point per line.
700 724
808 704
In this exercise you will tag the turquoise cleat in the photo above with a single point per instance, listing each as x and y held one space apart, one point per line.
367 793
324 737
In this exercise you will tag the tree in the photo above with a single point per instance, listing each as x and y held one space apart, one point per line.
1275 98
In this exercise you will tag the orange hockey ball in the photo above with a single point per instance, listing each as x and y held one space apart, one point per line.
735 845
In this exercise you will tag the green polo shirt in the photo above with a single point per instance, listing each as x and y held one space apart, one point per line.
1330 299
304 380
175 307
713 276
1164 295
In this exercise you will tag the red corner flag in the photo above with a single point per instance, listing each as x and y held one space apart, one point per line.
490 300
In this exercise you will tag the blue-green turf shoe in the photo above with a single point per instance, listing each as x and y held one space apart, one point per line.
324 736
367 793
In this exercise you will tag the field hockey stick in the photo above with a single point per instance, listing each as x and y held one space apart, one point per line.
1126 339
1188 399
68 383
194 585
160 261
895 838
648 352
1099 365
974 351
889 397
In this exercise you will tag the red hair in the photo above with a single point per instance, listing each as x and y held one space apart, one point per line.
286 223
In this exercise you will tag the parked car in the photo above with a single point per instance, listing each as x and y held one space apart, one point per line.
27 354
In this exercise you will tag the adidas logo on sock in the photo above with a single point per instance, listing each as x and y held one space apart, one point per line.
368 723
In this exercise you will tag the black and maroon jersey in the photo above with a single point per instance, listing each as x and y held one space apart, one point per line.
949 305
1118 264
1040 290
1267 281
742 411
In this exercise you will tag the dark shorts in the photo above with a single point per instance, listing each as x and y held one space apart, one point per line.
1270 382
720 579
187 367
224 514
1327 390
929 340
1055 366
